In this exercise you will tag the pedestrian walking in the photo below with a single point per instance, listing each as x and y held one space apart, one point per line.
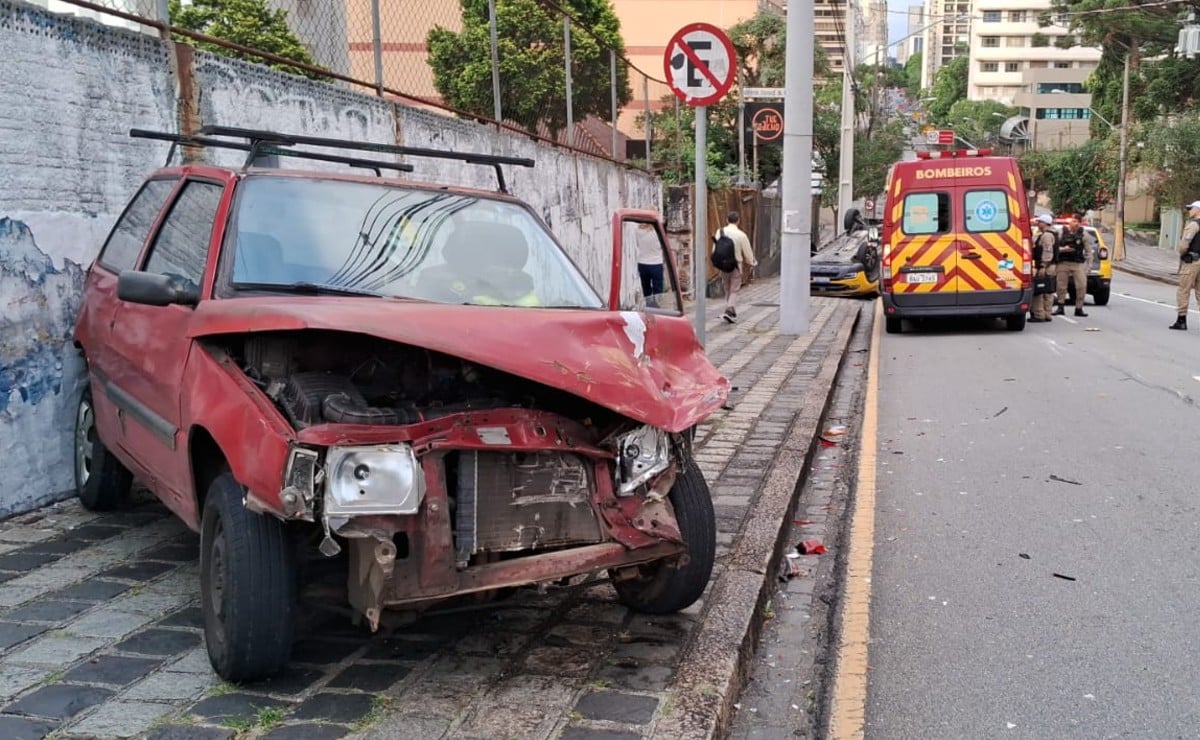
1045 257
649 262
1072 267
731 251
1189 270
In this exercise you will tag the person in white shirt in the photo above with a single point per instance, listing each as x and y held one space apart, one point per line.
649 262
732 281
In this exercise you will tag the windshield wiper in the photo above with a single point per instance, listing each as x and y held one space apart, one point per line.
306 288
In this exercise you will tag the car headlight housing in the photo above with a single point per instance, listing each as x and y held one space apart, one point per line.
377 479
641 454
1103 253
851 271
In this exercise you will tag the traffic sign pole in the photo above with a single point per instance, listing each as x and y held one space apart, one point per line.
700 258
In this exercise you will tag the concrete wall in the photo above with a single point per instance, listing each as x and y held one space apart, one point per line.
69 93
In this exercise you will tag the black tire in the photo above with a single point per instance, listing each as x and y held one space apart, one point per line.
1100 297
665 587
247 586
1016 322
101 481
892 324
852 218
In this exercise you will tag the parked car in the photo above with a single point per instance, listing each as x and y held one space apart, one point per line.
415 379
849 264
1099 275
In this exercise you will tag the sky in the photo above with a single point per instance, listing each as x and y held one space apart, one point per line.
898 20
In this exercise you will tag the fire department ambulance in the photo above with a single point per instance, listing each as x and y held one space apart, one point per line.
956 239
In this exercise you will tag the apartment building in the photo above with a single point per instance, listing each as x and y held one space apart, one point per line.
914 40
946 39
1007 42
873 32
829 19
1056 109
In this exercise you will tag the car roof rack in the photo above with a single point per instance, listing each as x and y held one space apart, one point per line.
270 142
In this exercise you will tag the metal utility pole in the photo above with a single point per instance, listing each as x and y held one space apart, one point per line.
846 149
1122 156
612 80
496 111
741 130
700 247
796 184
377 46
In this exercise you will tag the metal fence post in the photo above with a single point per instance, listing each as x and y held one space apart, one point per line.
496 111
646 99
377 45
567 55
612 63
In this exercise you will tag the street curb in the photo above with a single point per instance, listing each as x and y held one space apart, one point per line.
714 667
1166 280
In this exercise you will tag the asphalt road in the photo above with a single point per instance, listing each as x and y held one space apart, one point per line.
972 633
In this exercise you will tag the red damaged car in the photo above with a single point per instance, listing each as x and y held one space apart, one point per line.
414 379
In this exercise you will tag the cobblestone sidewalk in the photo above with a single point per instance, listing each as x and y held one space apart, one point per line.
100 632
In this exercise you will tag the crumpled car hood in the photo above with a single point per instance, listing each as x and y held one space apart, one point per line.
647 367
840 251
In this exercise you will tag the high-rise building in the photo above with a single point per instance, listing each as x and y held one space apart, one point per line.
873 33
914 40
829 19
1007 41
946 39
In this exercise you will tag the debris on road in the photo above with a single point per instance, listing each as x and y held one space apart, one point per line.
811 547
1001 411
832 434
1065 578
1064 480
1024 555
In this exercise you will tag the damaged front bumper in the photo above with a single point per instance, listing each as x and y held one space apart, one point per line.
482 501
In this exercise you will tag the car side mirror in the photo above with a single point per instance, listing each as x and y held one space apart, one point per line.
154 289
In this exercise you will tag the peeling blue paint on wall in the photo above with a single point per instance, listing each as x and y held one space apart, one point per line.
38 304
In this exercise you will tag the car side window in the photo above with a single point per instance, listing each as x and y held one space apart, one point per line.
926 213
181 247
125 241
986 211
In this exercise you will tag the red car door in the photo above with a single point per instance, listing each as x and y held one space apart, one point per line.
150 344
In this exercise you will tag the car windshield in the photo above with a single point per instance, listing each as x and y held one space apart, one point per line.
336 237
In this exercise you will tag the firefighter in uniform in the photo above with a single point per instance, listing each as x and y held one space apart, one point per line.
1189 269
1072 267
1044 257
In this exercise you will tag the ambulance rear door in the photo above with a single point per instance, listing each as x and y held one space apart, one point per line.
989 244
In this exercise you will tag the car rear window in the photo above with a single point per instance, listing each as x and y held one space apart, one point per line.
986 211
926 213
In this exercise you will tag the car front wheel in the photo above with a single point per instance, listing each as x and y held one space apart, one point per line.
247 586
101 481
666 586
1100 297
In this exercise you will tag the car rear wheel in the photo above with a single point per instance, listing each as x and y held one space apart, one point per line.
667 586
101 481
247 586
1101 295
1016 322
892 325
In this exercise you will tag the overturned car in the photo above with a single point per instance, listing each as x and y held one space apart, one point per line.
848 264
414 379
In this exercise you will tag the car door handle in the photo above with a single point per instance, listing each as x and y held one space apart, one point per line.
972 255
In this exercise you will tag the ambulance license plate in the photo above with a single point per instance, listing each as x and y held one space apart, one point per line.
921 277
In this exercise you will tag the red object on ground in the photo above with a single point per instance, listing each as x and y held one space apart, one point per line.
811 547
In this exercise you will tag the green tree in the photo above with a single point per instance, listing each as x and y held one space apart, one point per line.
912 73
1076 180
249 23
949 87
979 121
1172 156
532 61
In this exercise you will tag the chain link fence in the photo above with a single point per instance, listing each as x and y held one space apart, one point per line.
533 66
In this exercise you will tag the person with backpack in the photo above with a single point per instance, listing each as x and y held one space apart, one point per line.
731 250
1189 269
1045 259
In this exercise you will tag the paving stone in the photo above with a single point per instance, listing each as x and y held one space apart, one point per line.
369 676
57 650
306 732
603 613
106 622
7 576
14 634
95 532
566 662
582 635
400 648
631 675
189 732
328 707
175 552
493 721
227 708
613 706
191 616
575 732
19 533
436 697
292 680
116 670
141 571
58 701
122 719
147 603
408 727
62 546
322 652
22 728
48 610
156 641
54 575
499 644
193 661
543 691
161 686
646 651
92 590
15 679
23 561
